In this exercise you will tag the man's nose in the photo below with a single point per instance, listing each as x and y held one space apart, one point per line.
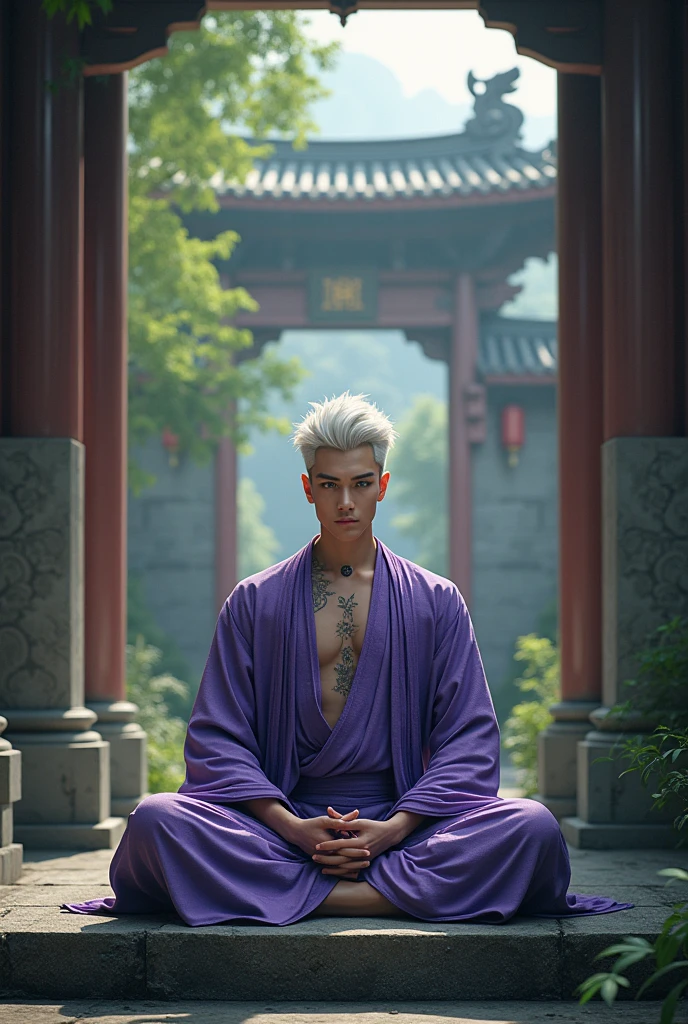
346 499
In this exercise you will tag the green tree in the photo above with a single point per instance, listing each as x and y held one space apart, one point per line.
165 731
258 545
540 677
192 114
418 463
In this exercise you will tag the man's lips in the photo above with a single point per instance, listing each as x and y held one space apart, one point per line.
349 520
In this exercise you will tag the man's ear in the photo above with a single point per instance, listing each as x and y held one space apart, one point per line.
307 489
384 480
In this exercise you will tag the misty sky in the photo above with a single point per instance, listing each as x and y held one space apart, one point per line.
432 49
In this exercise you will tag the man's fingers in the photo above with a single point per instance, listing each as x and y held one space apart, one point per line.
345 871
342 857
355 843
343 817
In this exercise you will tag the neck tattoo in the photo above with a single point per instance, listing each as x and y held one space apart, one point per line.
346 570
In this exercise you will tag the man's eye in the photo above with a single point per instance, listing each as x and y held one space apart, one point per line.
363 483
328 484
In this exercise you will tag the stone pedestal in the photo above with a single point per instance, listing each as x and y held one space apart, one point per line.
645 566
557 756
128 764
65 765
10 792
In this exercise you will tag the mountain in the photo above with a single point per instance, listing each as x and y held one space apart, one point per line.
367 101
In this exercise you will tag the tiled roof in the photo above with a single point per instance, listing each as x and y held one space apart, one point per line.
406 168
486 158
517 348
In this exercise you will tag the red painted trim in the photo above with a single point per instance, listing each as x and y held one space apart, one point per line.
325 204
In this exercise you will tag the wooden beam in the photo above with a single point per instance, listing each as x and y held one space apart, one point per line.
565 34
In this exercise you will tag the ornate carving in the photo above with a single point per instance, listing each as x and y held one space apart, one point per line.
39 566
343 8
646 535
493 118
565 34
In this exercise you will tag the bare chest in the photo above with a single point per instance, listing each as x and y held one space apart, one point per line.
341 615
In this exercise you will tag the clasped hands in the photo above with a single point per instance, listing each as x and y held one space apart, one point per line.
354 850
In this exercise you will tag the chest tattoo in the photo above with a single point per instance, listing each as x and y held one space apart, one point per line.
319 585
345 669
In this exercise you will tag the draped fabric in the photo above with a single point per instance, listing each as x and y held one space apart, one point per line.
417 733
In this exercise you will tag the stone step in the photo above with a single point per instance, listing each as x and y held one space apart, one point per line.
426 1012
48 954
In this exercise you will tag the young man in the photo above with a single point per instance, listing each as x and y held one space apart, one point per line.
343 754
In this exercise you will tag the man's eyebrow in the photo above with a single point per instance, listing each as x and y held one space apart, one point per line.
361 476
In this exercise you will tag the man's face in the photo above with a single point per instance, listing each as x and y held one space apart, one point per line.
345 488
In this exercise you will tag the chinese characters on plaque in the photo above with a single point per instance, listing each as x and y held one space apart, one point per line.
342 296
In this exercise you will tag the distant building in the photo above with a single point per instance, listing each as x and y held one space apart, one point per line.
419 235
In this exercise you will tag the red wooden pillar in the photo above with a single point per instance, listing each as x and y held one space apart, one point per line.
462 360
643 459
105 428
226 539
640 381
65 765
46 366
579 244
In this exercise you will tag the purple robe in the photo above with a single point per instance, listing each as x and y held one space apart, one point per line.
417 733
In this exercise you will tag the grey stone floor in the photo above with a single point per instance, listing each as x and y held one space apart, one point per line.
328 1013
92 961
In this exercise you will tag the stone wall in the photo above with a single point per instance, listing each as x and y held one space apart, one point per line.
171 547
515 528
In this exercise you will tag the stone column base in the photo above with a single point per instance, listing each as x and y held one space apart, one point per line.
585 836
66 782
10 793
615 811
557 756
128 764
105 835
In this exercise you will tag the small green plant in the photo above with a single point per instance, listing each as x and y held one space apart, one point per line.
82 10
540 677
669 952
660 694
166 732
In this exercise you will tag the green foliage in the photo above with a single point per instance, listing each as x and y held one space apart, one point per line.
258 545
82 10
165 731
540 677
419 465
242 74
669 952
507 693
660 689
171 661
660 693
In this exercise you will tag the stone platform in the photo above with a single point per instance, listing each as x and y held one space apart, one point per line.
150 1012
52 955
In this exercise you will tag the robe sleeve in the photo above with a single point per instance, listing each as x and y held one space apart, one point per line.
222 754
462 756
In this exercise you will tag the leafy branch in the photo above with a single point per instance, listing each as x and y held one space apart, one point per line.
670 945
82 10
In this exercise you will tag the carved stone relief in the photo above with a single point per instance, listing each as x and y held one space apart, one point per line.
41 573
645 532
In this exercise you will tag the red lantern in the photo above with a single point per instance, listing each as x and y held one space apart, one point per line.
170 443
513 432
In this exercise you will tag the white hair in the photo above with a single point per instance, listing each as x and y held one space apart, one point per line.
344 423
